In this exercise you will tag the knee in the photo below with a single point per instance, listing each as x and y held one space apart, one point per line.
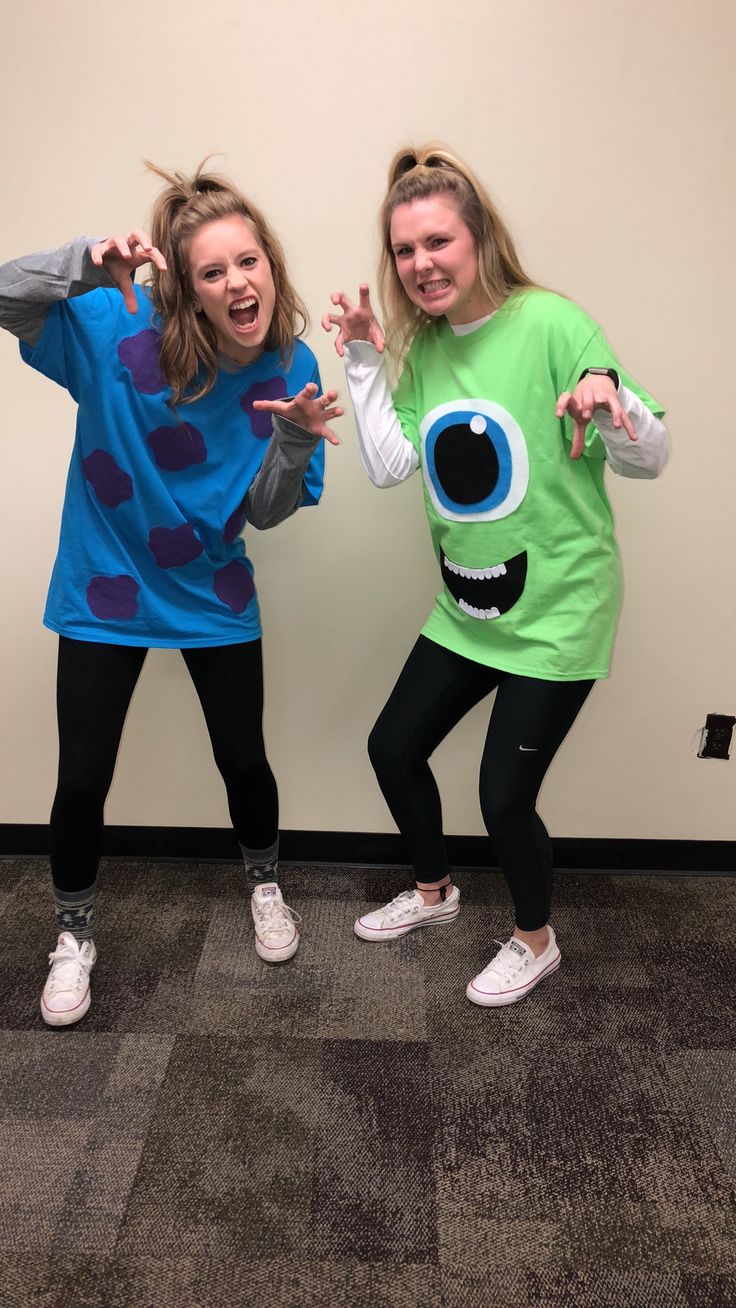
503 812
383 751
243 767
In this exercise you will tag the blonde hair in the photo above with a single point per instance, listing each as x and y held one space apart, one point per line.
417 174
188 340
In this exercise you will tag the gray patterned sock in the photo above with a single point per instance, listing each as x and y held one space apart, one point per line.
261 864
74 911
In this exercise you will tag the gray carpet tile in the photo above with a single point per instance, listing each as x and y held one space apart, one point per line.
373 1190
347 1128
228 1161
74 1116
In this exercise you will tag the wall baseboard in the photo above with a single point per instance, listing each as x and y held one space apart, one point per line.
376 849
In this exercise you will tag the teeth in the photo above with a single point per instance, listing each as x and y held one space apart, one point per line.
245 304
478 613
476 574
435 286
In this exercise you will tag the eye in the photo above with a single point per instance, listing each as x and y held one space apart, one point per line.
211 274
475 465
401 251
249 260
439 240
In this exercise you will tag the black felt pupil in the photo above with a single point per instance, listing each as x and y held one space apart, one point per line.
466 464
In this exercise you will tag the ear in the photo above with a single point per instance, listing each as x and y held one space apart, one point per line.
196 306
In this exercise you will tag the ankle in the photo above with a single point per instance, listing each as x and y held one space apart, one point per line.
434 894
537 940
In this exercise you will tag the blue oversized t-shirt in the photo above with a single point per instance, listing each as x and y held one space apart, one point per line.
150 550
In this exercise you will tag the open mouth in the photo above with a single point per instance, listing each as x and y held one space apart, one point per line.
244 313
485 592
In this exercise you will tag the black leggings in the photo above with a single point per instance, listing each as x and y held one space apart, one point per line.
94 689
529 721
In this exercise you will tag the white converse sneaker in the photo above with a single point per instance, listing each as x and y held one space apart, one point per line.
66 995
276 935
407 911
513 973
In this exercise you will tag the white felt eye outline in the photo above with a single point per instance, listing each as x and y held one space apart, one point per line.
511 451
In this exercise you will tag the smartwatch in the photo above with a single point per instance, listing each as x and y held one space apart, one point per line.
602 372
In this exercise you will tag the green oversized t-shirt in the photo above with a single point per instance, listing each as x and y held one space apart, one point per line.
523 534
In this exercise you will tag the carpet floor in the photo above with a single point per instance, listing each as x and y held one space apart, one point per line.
345 1128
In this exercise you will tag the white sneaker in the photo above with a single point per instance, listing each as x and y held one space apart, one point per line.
276 935
66 995
407 911
513 973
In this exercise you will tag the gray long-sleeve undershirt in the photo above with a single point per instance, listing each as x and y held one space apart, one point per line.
30 284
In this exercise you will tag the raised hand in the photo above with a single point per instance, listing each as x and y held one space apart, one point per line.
307 410
357 322
593 392
121 255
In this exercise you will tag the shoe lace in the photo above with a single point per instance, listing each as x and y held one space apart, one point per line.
62 960
274 917
506 963
398 906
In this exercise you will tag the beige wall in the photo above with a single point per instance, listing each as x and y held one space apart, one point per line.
605 132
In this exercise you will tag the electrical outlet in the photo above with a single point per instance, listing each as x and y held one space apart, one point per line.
715 737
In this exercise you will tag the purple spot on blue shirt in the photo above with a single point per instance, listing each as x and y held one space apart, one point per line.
273 389
110 484
140 355
177 448
233 585
173 547
234 525
113 597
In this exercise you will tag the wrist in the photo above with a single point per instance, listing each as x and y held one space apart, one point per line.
602 372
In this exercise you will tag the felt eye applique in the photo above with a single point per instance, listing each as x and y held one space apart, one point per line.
476 466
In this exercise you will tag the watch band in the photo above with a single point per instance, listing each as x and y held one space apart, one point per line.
602 372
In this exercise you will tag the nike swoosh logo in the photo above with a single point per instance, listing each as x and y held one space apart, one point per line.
530 749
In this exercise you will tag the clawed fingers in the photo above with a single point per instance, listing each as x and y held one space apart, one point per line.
625 421
140 238
578 440
563 403
341 299
270 406
567 404
132 250
116 243
330 320
120 245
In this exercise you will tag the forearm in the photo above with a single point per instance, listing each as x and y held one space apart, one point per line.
644 457
388 457
277 489
30 284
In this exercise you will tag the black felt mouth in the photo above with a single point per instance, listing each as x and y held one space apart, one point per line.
488 593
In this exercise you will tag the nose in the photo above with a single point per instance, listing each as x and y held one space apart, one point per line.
422 260
237 277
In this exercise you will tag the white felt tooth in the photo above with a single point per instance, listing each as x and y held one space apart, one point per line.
484 615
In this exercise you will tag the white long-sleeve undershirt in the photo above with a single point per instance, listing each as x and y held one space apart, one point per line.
389 457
